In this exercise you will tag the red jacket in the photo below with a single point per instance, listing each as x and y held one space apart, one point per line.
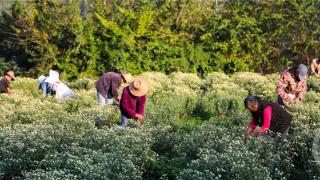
129 106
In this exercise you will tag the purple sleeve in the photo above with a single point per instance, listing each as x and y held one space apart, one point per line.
115 84
267 112
142 104
125 101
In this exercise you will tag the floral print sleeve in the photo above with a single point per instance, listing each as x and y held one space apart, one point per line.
282 85
303 87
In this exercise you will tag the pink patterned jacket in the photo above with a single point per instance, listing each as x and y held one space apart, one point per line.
289 89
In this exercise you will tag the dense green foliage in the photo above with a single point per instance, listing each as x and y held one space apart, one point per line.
84 38
194 129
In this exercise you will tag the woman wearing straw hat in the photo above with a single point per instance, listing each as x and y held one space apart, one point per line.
133 101
5 81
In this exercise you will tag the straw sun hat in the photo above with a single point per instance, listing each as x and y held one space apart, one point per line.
127 77
139 86
11 74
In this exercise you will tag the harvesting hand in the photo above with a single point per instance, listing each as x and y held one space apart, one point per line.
139 121
291 96
118 98
249 132
9 90
258 133
139 117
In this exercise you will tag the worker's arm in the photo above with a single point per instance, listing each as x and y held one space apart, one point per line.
267 114
281 86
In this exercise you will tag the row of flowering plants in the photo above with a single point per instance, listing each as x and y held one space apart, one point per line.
194 129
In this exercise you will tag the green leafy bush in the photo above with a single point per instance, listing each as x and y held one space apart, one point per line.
193 129
80 84
256 85
314 84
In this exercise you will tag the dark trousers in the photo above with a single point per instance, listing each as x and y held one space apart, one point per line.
285 107
282 104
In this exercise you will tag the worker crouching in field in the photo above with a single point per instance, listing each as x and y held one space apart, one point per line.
5 81
292 85
52 85
107 87
45 86
63 92
270 117
133 101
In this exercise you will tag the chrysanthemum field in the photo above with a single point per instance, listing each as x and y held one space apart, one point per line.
193 129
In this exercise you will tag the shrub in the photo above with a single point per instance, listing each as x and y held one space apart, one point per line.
193 129
214 80
24 146
79 84
221 153
314 84
26 86
163 107
256 85
222 105
84 163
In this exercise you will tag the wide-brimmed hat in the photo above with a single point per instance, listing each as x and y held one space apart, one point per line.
11 74
302 71
139 86
126 77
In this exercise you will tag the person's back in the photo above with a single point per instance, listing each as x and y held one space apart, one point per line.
4 83
107 87
280 118
63 92
104 82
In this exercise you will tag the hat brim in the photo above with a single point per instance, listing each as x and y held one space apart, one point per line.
12 77
302 77
127 78
138 93
143 90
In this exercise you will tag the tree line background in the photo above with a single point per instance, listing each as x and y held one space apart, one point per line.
84 38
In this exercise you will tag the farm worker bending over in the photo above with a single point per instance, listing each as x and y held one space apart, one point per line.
61 90
107 87
292 85
315 67
270 117
5 81
133 101
44 86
